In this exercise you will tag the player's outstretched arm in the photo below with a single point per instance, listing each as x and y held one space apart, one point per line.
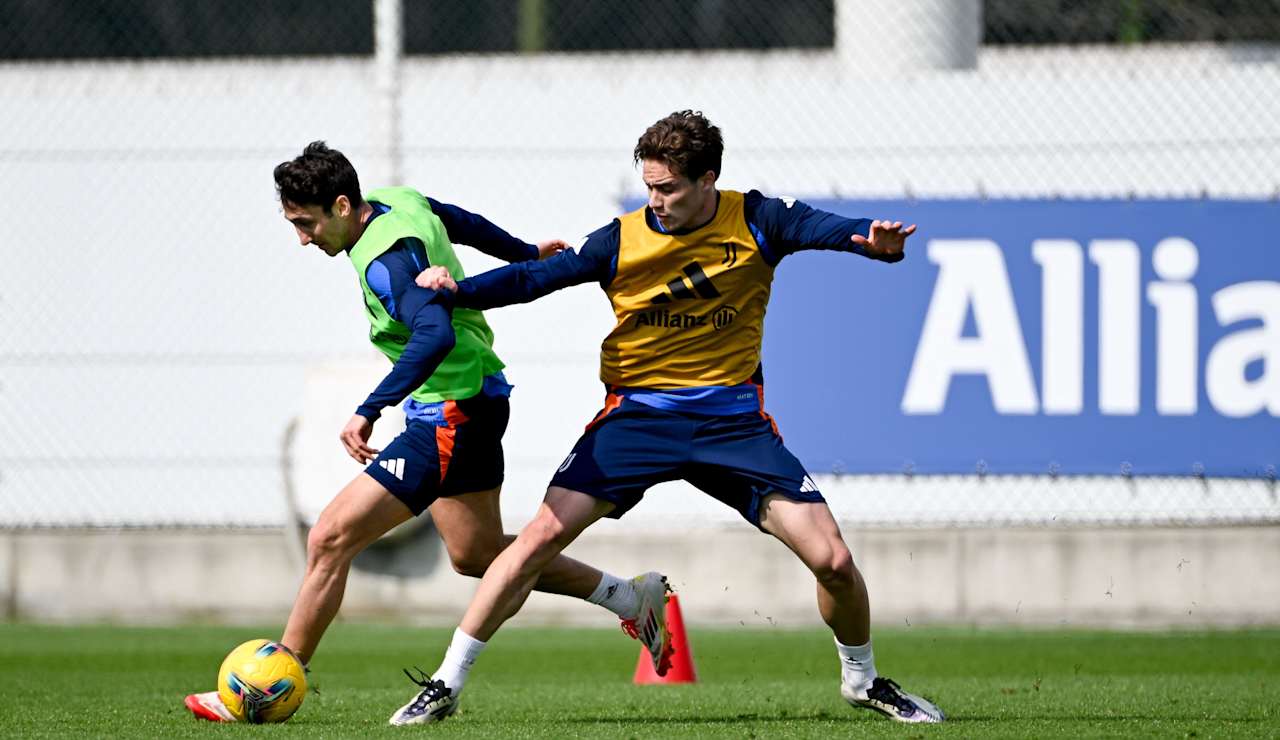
436 278
522 282
465 227
886 240
551 247
789 226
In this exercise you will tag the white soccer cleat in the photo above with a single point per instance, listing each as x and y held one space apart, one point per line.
650 624
434 703
209 706
887 698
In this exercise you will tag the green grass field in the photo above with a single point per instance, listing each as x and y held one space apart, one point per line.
560 683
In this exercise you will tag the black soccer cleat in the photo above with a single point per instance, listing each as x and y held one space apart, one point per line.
434 703
888 698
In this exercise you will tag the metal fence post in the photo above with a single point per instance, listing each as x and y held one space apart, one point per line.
388 52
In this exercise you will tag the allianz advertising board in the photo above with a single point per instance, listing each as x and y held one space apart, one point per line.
1036 336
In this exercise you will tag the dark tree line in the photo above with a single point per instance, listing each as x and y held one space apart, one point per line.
78 29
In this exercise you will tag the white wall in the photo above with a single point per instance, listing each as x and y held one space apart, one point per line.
160 320
1150 577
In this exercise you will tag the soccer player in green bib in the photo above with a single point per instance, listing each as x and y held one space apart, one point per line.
449 459
688 277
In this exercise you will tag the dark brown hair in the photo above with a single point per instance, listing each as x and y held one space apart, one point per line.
686 141
317 178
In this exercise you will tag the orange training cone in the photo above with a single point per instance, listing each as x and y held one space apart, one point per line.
681 670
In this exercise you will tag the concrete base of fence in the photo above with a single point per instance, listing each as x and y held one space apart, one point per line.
1147 577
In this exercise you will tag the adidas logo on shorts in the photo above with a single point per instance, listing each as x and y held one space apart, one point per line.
395 467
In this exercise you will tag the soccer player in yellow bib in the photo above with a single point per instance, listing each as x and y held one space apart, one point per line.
689 278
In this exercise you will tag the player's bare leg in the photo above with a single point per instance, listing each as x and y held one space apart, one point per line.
811 532
563 515
471 527
361 513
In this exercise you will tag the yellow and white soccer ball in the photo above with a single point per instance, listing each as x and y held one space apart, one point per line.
262 681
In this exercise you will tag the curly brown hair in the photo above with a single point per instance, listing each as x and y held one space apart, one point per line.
686 141
317 177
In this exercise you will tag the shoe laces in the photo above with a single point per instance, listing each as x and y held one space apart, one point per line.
313 686
888 691
431 690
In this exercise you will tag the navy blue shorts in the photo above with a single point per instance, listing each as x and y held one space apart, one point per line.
462 454
737 459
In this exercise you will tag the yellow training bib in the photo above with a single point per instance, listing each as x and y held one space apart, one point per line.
689 307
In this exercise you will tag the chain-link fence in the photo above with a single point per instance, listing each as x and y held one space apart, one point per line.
159 328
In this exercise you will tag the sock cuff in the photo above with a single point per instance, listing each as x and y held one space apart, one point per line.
857 664
606 588
859 657
465 647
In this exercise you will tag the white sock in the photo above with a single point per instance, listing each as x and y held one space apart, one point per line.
857 665
616 595
458 659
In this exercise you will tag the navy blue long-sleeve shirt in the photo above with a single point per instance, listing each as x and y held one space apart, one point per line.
428 314
476 231
780 226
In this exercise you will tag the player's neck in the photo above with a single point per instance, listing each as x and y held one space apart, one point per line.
364 214
708 212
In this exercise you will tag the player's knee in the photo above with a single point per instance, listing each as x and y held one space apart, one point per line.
474 560
541 540
327 544
471 567
835 568
543 532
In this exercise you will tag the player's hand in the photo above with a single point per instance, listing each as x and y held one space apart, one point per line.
436 278
885 241
355 437
551 248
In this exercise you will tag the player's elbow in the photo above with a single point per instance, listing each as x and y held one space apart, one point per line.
448 339
435 326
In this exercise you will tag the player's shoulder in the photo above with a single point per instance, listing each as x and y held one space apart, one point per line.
607 231
755 200
602 240
395 194
773 213
598 251
406 256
